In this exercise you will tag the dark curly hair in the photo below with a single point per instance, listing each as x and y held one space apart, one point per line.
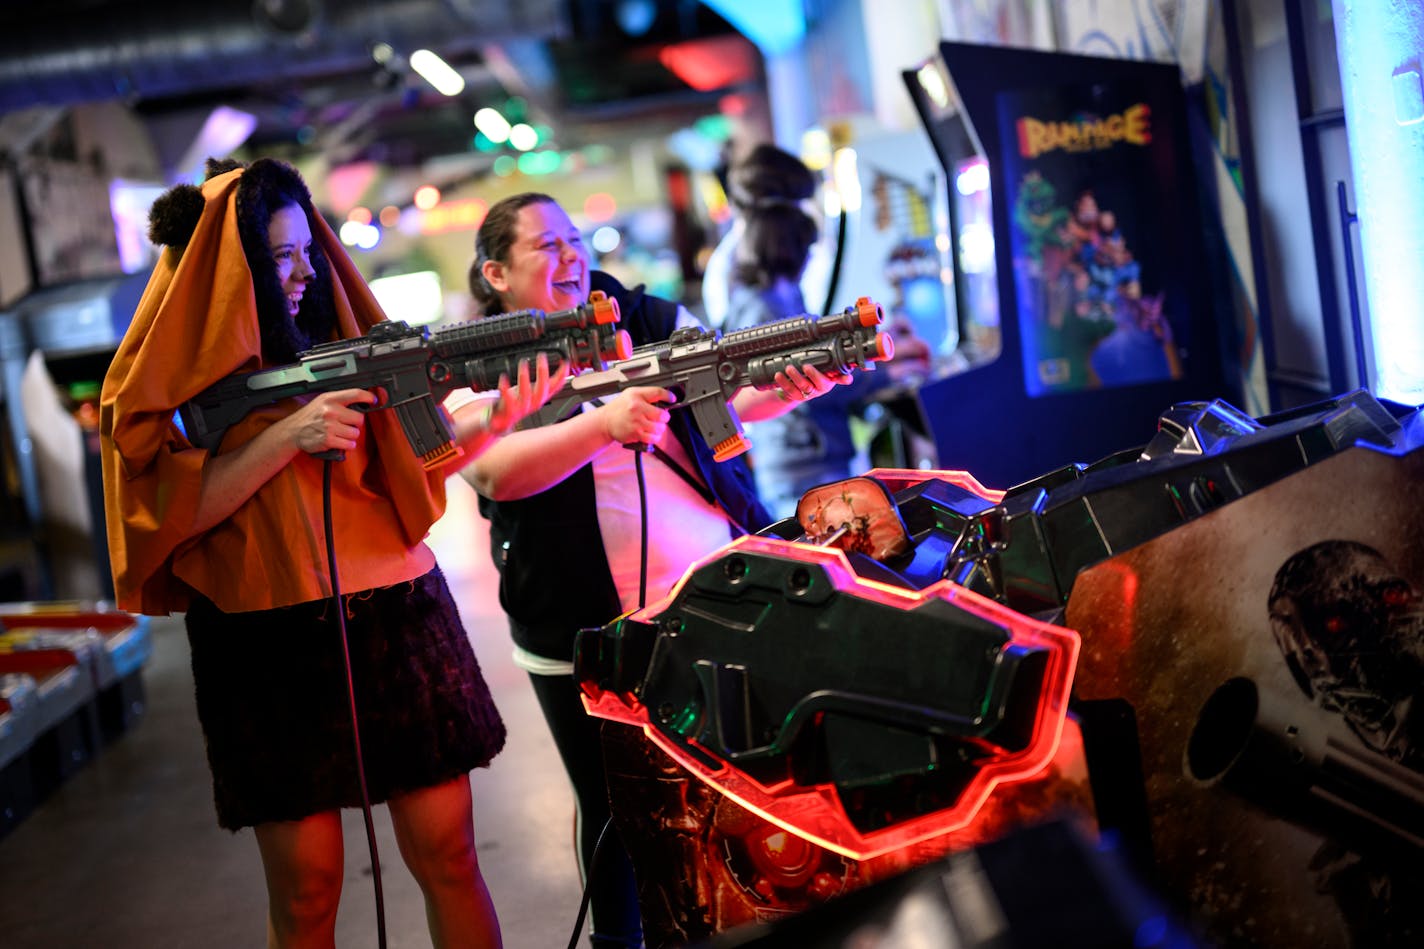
492 242
767 188
267 185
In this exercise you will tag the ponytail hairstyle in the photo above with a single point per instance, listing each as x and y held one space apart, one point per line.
768 188
492 242
266 186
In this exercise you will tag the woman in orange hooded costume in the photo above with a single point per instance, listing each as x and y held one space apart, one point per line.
234 538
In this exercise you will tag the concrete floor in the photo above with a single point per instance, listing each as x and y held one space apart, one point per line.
127 853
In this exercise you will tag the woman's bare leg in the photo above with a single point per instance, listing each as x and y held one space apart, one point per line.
436 833
304 863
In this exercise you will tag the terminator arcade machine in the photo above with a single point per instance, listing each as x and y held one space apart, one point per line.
1207 649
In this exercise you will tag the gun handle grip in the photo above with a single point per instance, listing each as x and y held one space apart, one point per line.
331 454
638 446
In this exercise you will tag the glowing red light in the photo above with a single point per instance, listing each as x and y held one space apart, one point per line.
599 207
734 105
816 813
711 63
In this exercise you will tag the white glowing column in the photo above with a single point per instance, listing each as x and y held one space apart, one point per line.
1381 44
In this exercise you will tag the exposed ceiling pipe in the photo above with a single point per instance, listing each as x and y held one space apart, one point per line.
154 50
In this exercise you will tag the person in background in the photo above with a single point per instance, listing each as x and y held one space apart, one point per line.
718 272
564 511
252 275
812 444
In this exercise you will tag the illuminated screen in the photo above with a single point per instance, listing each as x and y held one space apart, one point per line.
129 202
69 240
415 298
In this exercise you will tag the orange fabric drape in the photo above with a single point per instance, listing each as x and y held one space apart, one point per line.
195 324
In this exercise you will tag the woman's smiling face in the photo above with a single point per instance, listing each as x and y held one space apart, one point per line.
290 240
548 263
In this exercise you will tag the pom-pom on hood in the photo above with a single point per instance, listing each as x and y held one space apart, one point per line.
174 216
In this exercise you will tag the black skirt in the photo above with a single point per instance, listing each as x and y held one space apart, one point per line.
272 699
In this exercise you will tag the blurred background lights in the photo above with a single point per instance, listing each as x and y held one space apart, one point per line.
973 179
360 215
635 17
934 85
606 239
976 248
363 236
505 165
437 72
458 215
540 163
426 197
599 207
494 126
696 150
847 179
523 137
816 148
390 216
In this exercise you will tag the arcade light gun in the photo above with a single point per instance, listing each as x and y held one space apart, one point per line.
417 369
705 368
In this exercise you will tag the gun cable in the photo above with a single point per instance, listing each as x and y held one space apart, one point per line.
643 520
351 696
642 601
588 884
837 263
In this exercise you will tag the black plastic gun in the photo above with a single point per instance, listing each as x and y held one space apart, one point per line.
417 369
705 368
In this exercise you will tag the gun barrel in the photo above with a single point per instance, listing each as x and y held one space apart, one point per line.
706 368
587 335
781 334
1288 762
600 310
840 355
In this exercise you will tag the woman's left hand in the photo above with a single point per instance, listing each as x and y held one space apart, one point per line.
520 399
807 382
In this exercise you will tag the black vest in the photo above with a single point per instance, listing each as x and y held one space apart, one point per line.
554 575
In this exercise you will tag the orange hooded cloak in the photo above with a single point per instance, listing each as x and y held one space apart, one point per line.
195 324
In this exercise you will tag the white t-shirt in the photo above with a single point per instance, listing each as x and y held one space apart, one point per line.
682 526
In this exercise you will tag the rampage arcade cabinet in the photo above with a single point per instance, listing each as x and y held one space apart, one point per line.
1208 648
1084 254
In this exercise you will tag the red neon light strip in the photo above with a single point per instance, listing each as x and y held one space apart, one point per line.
816 814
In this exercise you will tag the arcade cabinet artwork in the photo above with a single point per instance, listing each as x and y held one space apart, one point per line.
1208 647
1096 254
1088 264
912 264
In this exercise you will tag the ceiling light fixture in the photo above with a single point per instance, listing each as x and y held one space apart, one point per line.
437 72
523 137
494 126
